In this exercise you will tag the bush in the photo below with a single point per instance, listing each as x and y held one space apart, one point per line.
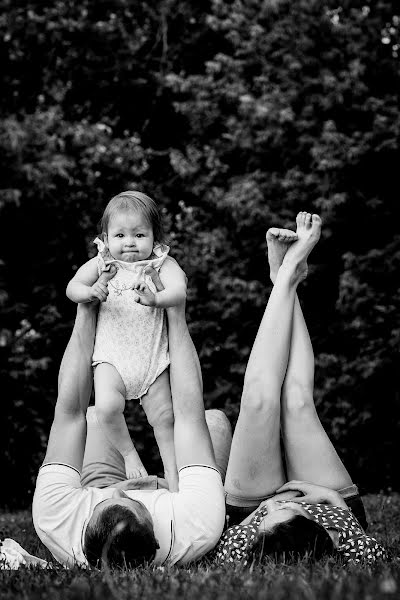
234 116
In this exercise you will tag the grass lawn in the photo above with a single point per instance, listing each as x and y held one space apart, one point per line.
326 579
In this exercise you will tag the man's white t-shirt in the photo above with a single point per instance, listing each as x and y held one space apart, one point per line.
187 524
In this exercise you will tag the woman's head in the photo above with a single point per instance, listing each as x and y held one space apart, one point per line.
296 536
131 225
120 532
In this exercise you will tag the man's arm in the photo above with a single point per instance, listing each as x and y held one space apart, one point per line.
192 439
68 432
191 435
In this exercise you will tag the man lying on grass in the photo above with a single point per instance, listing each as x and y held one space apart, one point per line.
116 524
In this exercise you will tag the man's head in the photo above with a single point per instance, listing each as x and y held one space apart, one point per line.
120 533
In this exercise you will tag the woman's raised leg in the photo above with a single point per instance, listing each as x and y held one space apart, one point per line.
255 467
310 455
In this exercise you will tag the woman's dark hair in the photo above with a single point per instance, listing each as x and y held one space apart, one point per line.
139 202
293 539
120 539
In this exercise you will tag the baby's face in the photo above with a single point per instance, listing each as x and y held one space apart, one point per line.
130 237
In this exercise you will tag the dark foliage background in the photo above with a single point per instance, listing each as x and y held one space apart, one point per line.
233 116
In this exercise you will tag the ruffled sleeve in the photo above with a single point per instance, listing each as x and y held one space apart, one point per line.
102 256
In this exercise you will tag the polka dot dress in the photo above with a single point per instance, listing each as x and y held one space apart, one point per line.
236 542
354 545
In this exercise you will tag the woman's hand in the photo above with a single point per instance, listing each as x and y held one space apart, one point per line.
312 493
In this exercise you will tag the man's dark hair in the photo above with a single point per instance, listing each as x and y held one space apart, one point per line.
294 539
118 538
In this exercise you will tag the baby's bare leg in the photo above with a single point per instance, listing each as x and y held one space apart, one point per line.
157 404
110 404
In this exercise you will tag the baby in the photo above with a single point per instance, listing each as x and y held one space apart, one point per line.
130 355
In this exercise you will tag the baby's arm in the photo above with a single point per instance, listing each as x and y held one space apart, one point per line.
85 285
174 281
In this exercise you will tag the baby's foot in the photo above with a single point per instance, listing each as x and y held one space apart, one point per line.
133 467
308 232
278 241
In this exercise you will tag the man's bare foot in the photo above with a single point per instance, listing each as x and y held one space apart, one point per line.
308 232
278 242
133 466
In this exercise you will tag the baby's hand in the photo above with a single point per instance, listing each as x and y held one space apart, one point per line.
99 290
144 294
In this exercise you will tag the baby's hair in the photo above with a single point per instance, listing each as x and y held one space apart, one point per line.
139 202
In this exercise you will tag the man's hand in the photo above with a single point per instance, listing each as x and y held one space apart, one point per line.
144 294
99 290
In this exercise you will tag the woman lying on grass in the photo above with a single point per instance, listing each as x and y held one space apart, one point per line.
277 405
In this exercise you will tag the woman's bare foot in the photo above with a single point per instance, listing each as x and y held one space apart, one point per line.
308 232
278 242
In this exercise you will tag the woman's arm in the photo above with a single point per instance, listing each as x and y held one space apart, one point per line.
302 491
85 285
314 494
